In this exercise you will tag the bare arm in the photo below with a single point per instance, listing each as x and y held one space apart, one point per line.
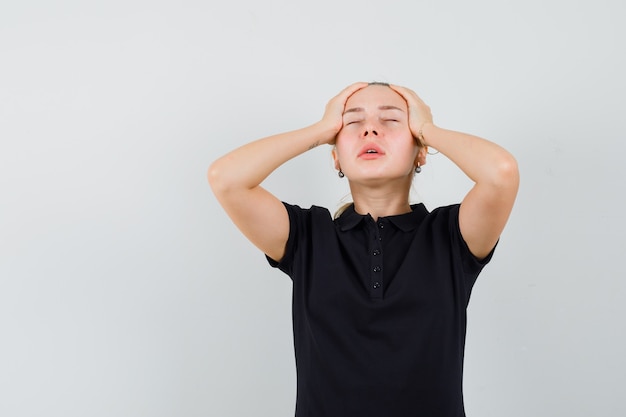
235 178
487 206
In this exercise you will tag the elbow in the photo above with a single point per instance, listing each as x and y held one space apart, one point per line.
224 178
216 178
506 172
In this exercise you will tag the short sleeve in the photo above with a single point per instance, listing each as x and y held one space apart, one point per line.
306 226
296 219
471 264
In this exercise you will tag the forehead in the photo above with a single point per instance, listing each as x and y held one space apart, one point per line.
374 96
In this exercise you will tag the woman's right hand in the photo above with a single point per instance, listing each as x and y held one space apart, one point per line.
333 115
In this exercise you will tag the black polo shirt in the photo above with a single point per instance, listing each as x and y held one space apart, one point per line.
379 312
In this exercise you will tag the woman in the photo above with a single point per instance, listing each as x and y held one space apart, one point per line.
379 293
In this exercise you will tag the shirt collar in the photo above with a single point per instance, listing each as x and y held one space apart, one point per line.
407 222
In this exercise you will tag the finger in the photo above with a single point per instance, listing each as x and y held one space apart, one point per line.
408 94
339 101
403 91
351 89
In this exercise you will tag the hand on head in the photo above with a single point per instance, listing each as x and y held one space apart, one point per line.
419 112
333 115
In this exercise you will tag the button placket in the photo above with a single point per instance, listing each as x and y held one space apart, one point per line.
376 263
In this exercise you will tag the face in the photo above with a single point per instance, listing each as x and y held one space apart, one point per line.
375 142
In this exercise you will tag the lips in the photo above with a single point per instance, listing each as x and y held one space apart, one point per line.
370 151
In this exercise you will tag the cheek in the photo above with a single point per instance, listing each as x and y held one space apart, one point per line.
343 140
402 128
338 149
409 148
348 130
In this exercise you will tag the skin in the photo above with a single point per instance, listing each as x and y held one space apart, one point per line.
387 119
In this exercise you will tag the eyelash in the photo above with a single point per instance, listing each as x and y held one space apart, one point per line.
384 120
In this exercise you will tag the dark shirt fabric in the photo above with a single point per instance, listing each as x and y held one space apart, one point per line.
379 311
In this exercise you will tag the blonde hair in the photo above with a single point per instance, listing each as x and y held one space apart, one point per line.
341 209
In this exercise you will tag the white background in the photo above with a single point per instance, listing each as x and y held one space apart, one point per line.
126 291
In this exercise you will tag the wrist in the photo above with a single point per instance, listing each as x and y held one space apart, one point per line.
317 134
326 132
424 132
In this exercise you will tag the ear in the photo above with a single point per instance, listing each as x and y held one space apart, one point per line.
421 156
335 159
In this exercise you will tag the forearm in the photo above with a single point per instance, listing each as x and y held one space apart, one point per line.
482 161
246 167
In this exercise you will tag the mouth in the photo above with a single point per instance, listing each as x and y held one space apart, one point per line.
370 151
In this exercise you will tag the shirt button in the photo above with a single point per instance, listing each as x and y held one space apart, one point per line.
381 225
376 252
376 285
376 268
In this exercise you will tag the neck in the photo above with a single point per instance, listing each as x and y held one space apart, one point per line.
381 201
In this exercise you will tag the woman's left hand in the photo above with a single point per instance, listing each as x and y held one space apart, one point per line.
419 112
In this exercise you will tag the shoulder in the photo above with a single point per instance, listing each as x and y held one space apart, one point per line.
304 221
446 219
452 209
442 217
313 212
306 227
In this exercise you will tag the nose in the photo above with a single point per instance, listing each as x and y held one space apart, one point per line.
372 128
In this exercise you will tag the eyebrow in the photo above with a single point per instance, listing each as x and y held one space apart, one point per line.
359 109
